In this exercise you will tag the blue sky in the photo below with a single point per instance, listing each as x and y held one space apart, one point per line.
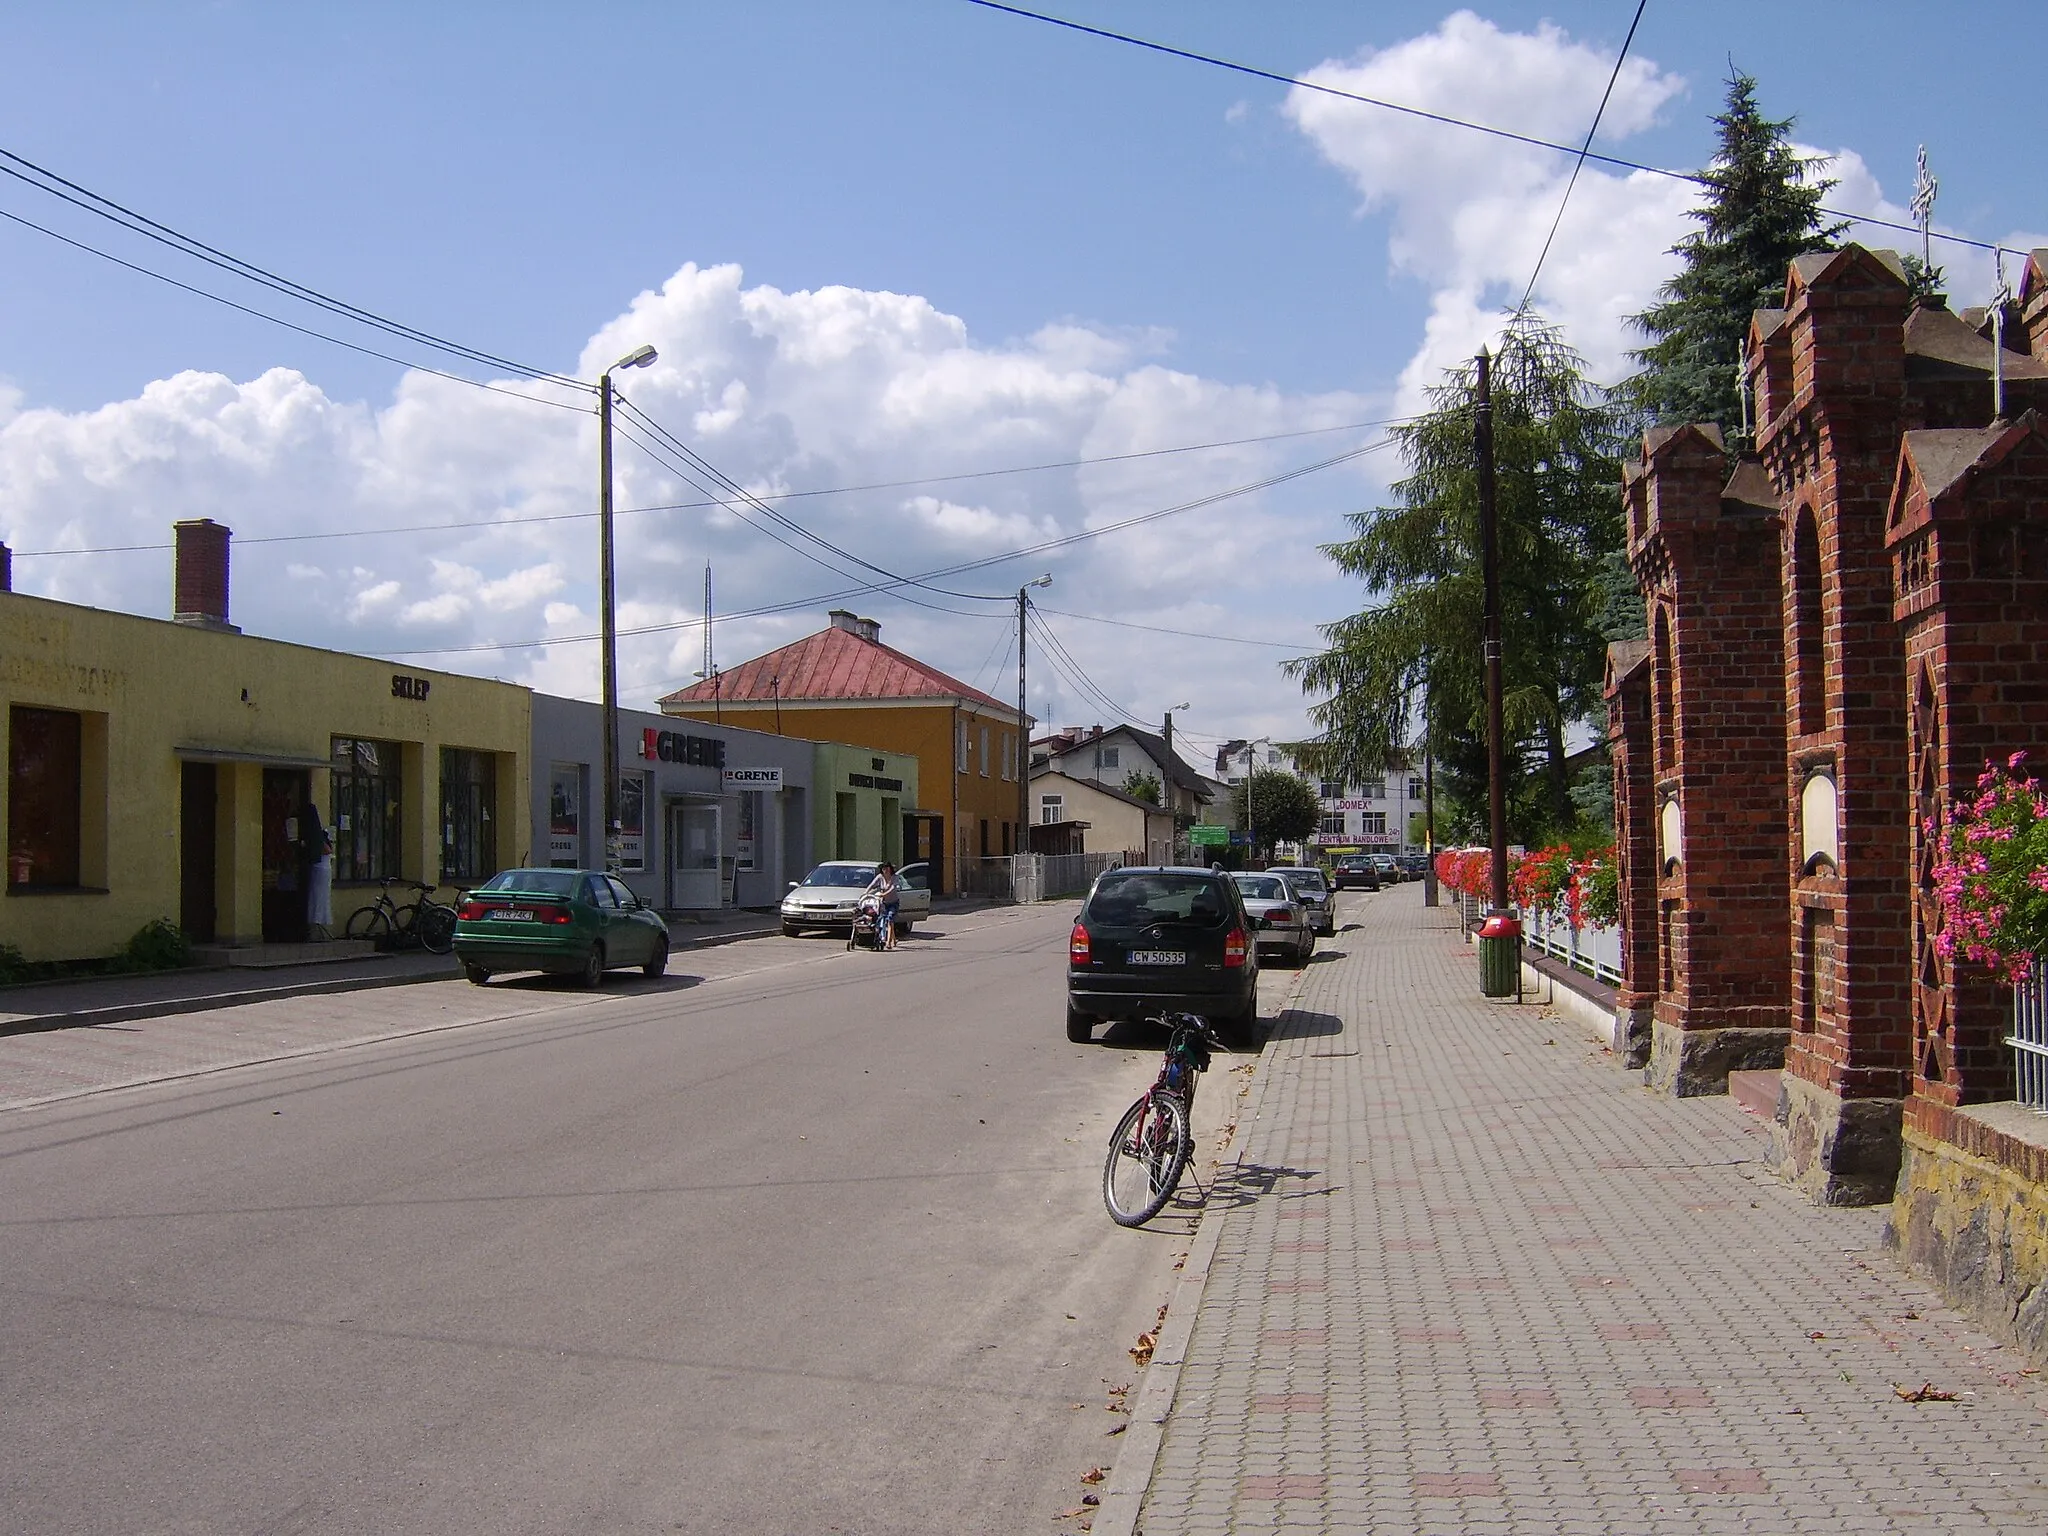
1093 250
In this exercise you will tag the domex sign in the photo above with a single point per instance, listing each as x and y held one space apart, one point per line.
674 747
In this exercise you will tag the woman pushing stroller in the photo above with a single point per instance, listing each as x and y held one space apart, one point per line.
885 889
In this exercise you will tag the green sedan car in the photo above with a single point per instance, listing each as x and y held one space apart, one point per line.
576 922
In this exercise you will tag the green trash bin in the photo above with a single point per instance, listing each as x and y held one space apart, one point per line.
1500 955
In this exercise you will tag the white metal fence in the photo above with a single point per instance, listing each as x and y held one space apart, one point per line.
2029 1040
1594 949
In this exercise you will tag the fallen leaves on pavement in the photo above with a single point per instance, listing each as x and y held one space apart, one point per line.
1142 1350
1926 1392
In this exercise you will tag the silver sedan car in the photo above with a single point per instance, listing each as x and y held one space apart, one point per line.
829 896
1278 914
1315 894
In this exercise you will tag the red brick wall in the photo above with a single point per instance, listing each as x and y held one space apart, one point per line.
1971 572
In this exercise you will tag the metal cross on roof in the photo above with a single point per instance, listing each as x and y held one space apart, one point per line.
2000 297
1925 189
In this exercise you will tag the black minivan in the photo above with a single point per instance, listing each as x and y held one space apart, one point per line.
1154 939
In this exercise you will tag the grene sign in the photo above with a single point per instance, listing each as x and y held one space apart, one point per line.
753 778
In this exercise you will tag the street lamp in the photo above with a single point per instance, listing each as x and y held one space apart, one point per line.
1023 730
607 623
1166 778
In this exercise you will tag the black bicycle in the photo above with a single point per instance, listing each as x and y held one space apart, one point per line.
1155 1140
422 921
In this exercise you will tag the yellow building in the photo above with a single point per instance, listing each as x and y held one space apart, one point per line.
843 684
161 769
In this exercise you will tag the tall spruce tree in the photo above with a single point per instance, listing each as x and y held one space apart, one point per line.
1763 207
1412 657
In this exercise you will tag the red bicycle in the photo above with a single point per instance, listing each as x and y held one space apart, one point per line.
1154 1142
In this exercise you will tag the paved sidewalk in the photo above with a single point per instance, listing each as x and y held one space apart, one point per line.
1468 1276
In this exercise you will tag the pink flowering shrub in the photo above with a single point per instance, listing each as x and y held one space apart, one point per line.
1991 872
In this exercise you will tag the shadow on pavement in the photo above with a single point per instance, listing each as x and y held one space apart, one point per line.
1303 1024
1244 1184
622 982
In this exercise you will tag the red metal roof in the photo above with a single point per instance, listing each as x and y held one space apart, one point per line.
833 664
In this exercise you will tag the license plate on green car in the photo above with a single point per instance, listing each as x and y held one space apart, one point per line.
514 914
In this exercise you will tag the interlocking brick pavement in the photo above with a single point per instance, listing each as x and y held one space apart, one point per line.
1468 1276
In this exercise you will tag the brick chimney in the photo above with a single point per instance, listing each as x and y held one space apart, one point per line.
201 595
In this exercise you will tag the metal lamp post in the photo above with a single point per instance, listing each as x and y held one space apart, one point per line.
607 621
1166 778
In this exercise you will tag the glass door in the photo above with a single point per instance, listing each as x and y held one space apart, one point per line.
695 877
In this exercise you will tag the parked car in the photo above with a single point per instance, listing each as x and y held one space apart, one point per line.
1413 866
1355 872
580 922
829 895
1280 921
1315 894
1384 865
1153 939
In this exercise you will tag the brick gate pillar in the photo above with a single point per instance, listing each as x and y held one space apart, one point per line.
1831 371
1627 690
1705 555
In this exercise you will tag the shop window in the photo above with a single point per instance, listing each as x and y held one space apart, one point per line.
565 816
1373 821
984 751
749 821
469 816
1332 824
367 810
633 821
45 797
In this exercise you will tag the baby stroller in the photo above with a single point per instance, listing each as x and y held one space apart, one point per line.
867 925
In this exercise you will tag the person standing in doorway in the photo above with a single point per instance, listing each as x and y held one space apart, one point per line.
316 860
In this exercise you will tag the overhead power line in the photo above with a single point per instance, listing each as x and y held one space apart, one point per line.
50 183
961 568
711 500
1579 163
290 325
1232 65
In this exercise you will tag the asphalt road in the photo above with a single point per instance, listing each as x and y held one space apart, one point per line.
811 1244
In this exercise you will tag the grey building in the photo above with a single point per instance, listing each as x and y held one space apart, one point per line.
713 816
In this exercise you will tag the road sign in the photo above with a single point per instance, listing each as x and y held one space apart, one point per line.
1202 835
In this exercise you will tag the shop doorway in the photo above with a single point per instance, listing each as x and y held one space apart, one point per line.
695 872
285 792
923 842
198 867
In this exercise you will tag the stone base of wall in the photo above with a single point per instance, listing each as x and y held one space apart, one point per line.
1631 1040
1838 1151
1978 1227
1691 1063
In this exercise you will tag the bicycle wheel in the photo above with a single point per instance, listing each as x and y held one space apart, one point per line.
1147 1155
368 923
435 929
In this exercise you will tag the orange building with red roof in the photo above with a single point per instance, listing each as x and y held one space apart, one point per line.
843 684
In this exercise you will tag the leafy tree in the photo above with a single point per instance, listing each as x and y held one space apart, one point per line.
1284 807
1142 785
1410 661
1763 207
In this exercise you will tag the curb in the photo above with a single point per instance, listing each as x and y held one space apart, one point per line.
122 1013
1130 1478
